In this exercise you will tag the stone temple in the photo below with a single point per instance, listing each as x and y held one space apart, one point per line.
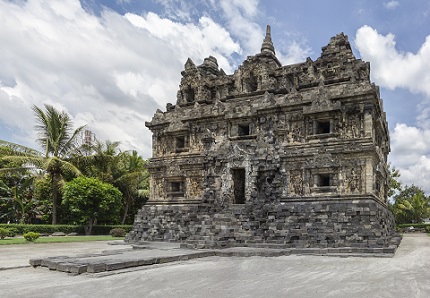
288 156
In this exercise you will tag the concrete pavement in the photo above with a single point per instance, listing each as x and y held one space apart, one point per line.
404 275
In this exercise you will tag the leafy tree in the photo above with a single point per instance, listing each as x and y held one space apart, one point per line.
393 181
58 140
43 195
20 200
90 200
394 185
411 205
125 170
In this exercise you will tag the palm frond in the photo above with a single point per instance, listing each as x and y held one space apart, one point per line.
9 148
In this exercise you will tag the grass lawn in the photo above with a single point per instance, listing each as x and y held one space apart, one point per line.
60 239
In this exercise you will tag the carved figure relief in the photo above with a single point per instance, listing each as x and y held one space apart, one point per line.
295 129
296 182
161 147
296 133
353 181
159 188
353 129
194 187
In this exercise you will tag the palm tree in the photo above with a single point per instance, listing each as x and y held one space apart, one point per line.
105 159
132 179
100 160
57 137
58 140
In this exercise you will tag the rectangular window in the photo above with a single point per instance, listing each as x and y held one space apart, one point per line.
323 180
181 144
176 188
189 95
322 127
243 130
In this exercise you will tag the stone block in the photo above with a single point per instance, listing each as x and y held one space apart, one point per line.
96 267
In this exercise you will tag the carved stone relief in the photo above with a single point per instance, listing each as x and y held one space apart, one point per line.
194 187
296 182
159 188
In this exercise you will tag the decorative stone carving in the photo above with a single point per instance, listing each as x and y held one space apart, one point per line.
195 187
296 182
271 154
353 181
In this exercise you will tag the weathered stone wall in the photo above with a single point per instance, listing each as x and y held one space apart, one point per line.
329 223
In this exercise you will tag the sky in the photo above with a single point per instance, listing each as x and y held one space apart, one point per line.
111 64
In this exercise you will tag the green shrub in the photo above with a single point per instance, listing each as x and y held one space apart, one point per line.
67 229
4 233
43 229
31 236
105 230
118 232
428 229
12 232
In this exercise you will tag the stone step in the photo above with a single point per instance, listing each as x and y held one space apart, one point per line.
149 254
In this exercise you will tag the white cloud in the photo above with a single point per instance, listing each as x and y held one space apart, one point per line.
110 72
391 4
240 16
295 52
410 148
191 40
176 9
417 173
392 68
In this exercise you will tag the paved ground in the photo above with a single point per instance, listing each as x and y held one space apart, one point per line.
407 274
13 256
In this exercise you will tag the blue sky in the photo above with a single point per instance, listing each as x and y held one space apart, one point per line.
111 64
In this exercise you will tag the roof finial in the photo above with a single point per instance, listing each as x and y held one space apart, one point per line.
267 46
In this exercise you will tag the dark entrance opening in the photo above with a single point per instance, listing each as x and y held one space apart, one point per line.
323 126
239 186
243 130
323 180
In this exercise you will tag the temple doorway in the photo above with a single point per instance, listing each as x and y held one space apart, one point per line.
239 185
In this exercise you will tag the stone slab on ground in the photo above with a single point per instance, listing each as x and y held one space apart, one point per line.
152 253
115 261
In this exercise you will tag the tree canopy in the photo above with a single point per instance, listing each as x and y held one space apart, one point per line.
90 201
411 205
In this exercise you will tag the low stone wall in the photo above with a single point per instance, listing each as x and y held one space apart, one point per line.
332 223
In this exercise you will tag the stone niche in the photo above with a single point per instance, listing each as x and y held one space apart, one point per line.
294 156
